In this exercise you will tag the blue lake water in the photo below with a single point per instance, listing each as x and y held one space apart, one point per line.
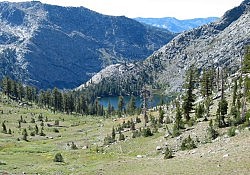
154 101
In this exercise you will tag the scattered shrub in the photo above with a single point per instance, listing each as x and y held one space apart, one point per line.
121 137
73 146
146 132
176 131
211 132
33 133
58 158
56 122
42 133
108 140
40 118
168 153
25 134
3 163
9 132
231 131
4 128
136 134
32 120
188 144
56 130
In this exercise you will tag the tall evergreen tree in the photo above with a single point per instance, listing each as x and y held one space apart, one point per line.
131 107
113 134
245 70
161 115
189 97
6 85
206 83
223 105
120 105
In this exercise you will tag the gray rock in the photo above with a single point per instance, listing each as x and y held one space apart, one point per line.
158 148
237 131
139 156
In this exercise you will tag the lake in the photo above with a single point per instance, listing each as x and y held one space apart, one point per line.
154 101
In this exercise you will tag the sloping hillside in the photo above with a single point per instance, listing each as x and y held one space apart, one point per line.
49 46
219 44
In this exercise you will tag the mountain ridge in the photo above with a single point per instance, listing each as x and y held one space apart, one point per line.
175 25
219 44
47 46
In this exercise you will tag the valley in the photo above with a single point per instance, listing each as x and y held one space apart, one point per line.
124 97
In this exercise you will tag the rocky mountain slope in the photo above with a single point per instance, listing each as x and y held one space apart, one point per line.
219 44
49 46
176 25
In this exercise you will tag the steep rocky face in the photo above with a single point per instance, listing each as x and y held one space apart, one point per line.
49 46
176 25
219 44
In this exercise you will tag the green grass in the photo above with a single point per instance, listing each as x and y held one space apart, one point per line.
36 155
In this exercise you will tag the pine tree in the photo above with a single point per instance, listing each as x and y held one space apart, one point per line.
131 107
178 121
58 158
109 109
199 111
208 103
120 105
4 128
245 69
145 93
36 129
113 134
161 115
6 86
223 105
189 97
121 136
235 92
168 153
246 61
25 134
206 83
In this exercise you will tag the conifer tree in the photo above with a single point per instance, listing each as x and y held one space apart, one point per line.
131 107
25 134
235 89
113 134
145 93
6 86
223 105
4 128
120 105
36 129
161 115
206 83
121 136
189 97
245 70
109 110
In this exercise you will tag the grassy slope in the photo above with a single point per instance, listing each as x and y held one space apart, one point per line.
224 156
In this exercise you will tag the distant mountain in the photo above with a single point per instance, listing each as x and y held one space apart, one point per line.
176 25
218 44
48 46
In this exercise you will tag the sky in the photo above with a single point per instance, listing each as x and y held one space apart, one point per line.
181 9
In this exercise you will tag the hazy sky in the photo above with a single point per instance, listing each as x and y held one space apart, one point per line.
182 9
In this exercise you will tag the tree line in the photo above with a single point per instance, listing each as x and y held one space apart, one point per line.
84 102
